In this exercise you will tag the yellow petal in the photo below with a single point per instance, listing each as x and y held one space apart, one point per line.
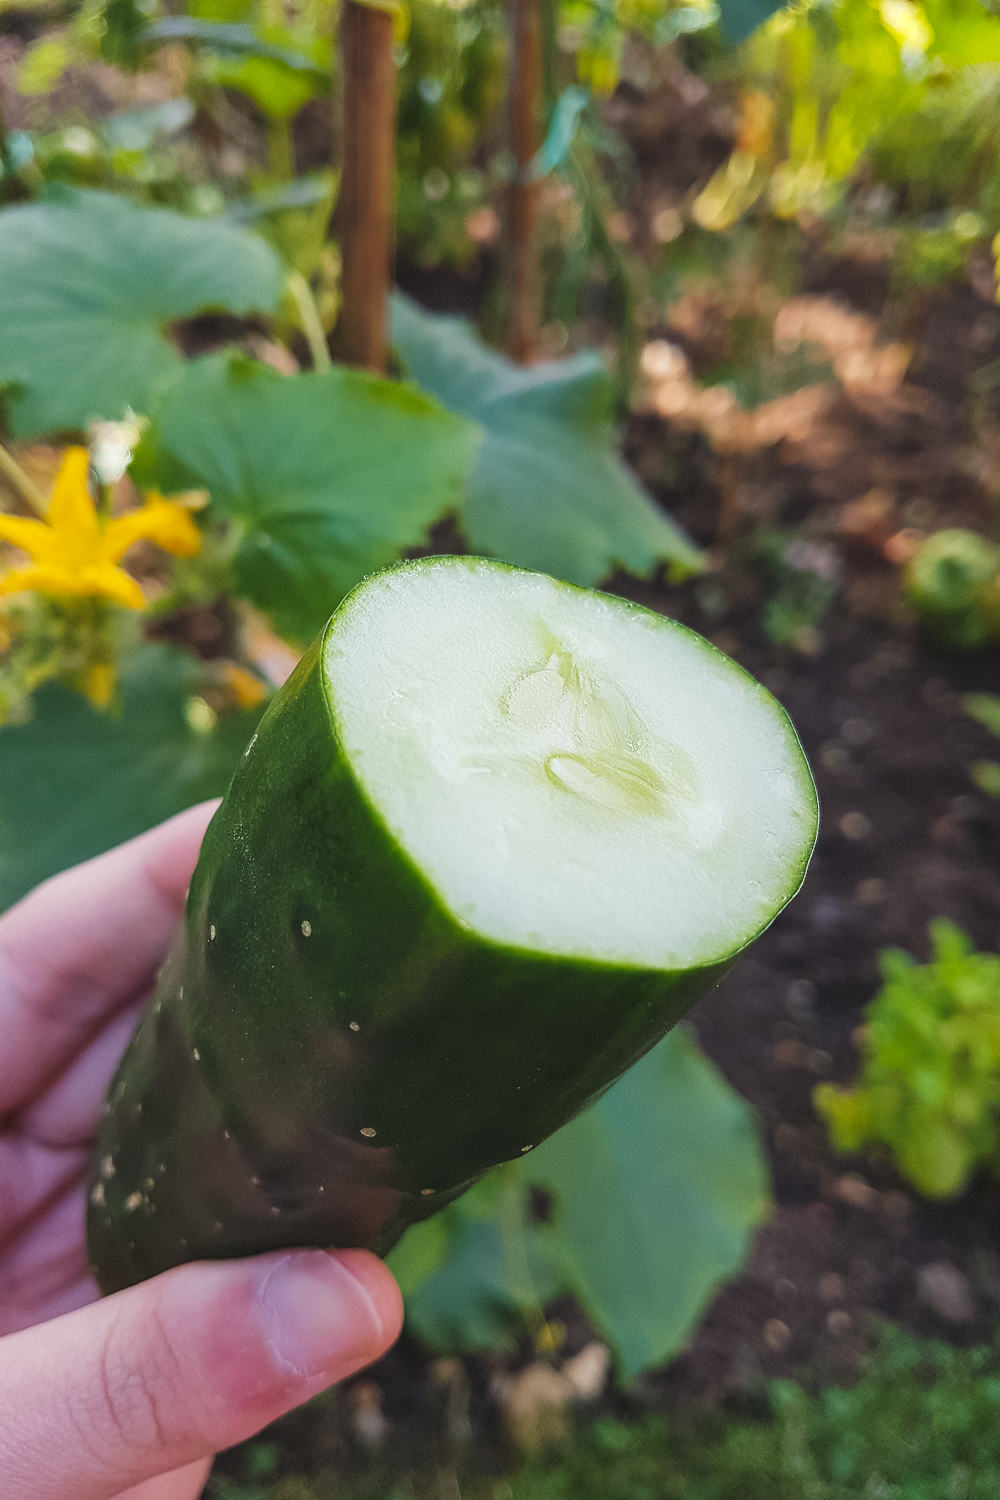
72 511
159 521
33 537
113 583
109 582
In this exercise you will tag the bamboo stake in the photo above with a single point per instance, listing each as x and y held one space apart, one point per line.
365 206
524 107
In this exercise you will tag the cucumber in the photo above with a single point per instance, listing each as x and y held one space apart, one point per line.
492 840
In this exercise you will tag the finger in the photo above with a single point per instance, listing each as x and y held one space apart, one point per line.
66 1113
75 950
31 1178
166 1373
182 1484
45 1272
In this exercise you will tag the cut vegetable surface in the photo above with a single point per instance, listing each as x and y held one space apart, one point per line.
495 836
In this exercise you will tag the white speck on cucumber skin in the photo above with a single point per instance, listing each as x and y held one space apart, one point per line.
368 1130
132 1202
97 1195
275 1209
307 928
211 933
250 746
426 1192
526 1148
355 1026
107 1168
196 1054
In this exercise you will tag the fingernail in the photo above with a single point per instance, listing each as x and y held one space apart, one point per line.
317 1318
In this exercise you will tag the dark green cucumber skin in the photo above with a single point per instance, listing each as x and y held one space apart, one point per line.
234 1124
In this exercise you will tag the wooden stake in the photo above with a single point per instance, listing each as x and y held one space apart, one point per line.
365 206
525 109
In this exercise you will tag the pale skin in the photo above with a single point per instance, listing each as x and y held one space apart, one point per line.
131 1395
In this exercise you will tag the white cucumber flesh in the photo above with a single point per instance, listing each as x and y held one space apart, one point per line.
572 774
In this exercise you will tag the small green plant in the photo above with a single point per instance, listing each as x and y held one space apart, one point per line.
930 1075
952 584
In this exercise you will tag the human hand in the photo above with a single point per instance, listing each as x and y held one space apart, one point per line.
100 1395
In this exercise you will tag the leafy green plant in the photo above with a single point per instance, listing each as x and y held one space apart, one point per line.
548 490
90 285
929 1087
323 477
952 583
76 781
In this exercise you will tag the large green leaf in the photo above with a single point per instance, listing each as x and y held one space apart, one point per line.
656 1192
74 782
87 285
332 475
653 1196
549 491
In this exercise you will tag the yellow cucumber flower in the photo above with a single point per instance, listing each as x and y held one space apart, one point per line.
74 550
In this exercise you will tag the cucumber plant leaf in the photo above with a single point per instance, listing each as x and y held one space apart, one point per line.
329 475
548 491
653 1196
88 284
471 1274
74 782
656 1191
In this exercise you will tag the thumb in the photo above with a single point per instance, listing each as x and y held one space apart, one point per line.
195 1360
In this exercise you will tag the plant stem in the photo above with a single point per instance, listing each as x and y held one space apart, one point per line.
25 486
524 109
309 320
280 150
365 206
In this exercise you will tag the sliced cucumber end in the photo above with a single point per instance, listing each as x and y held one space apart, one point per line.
572 774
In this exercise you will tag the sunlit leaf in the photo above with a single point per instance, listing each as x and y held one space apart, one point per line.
330 475
88 285
548 492
74 782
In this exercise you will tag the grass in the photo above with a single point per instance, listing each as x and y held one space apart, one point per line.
923 1423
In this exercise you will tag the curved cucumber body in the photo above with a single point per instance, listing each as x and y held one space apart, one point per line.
492 840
